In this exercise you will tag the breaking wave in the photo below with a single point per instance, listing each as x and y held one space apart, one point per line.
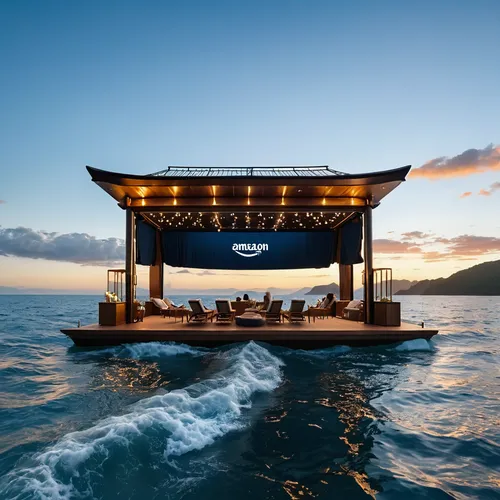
145 350
415 345
184 420
158 349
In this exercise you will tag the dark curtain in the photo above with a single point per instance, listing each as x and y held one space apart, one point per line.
249 250
145 244
351 239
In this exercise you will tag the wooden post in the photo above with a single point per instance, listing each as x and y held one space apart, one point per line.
129 265
156 272
368 248
346 282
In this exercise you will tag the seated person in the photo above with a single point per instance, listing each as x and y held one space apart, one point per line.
267 301
246 297
238 299
327 301
320 302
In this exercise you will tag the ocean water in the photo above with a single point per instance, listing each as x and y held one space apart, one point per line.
164 421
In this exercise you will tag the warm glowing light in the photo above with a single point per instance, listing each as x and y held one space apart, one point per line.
259 220
175 201
143 202
324 201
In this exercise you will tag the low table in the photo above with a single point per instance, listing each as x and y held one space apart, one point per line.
250 319
179 313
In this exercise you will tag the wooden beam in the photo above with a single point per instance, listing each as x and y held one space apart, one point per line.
243 203
129 265
368 250
346 284
156 272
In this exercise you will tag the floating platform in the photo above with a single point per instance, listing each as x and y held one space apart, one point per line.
304 335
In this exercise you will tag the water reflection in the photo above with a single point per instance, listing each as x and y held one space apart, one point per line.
34 380
293 489
324 441
351 400
139 376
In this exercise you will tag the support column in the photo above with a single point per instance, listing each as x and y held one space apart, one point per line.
368 250
346 284
156 272
129 265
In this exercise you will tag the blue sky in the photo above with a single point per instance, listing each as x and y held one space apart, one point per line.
136 86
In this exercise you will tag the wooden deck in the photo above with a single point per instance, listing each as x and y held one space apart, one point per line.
304 335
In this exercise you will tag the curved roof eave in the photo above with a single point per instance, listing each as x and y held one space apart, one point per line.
362 179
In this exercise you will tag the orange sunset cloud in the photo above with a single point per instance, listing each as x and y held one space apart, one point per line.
472 161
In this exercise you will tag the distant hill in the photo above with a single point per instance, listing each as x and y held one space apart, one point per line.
483 279
324 289
397 285
419 288
302 291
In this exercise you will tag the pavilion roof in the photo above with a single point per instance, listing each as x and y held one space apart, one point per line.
308 171
249 189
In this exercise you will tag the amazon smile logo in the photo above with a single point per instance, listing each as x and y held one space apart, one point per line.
250 249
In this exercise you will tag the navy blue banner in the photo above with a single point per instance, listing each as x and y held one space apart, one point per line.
249 250
145 244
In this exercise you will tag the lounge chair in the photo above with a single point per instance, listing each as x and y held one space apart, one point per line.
273 314
296 311
323 311
199 312
166 306
225 313
162 306
171 305
354 310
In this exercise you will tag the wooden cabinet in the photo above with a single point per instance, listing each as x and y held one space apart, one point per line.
111 313
387 313
151 309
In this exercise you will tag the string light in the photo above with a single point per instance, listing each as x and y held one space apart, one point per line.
218 221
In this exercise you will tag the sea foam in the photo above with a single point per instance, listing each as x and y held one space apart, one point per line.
415 345
191 418
146 350
158 349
